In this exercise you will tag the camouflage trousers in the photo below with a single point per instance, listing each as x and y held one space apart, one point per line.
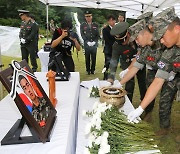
150 77
167 96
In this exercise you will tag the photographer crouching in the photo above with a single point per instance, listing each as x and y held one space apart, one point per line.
62 42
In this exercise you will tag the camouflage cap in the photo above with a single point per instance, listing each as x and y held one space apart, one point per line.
147 16
136 28
161 21
119 28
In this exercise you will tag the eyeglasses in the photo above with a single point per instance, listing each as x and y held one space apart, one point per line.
87 16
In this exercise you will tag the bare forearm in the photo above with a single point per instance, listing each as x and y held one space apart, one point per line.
56 42
131 73
152 92
132 63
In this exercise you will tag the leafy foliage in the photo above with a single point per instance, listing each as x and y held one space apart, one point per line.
8 11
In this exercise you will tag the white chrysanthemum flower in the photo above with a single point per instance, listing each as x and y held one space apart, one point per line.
101 151
151 139
92 137
93 93
98 140
84 113
106 148
104 142
90 143
109 106
86 151
88 128
95 105
155 146
105 134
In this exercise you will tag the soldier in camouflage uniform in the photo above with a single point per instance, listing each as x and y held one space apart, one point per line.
90 34
149 54
28 37
167 75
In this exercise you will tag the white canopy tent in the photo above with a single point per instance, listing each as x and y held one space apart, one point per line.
133 8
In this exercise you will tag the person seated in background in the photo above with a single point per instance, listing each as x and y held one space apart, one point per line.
62 42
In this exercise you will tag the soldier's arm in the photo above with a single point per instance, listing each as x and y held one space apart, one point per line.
20 33
97 34
32 35
161 76
152 92
130 74
82 33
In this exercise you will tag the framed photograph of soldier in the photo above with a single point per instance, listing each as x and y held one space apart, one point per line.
34 105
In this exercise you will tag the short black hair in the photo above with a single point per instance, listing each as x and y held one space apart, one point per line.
66 24
22 77
175 22
111 17
32 16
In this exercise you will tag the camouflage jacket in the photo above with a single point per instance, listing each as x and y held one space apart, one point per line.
170 61
149 55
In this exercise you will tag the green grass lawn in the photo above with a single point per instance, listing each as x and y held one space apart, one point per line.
167 143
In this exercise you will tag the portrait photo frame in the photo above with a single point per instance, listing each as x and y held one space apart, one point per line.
40 118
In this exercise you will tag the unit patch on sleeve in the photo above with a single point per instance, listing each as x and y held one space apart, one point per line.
161 64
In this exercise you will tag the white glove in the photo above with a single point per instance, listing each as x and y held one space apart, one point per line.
133 116
123 73
117 84
149 67
171 76
93 43
89 43
105 84
104 70
23 41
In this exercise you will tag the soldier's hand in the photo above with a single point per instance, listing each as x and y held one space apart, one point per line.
110 80
117 84
133 117
23 41
123 73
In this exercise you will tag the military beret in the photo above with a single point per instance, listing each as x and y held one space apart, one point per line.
161 21
119 28
146 16
136 28
21 12
87 13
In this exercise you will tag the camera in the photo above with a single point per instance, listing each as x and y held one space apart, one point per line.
71 33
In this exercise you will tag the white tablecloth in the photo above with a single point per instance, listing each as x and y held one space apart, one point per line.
44 59
86 103
63 136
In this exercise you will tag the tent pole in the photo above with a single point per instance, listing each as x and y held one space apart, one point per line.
47 28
